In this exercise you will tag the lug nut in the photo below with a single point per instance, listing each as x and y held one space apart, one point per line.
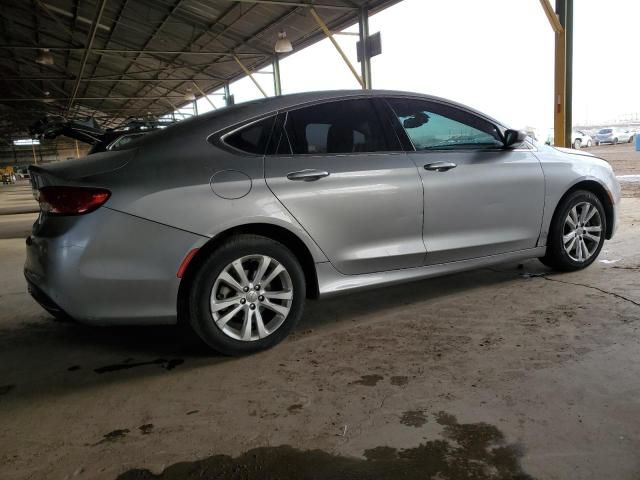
257 287
245 289
252 306
243 301
261 298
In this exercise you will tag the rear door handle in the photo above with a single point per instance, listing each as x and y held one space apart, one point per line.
439 166
308 175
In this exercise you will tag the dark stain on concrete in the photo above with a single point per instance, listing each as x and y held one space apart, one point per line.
467 451
399 380
146 429
73 368
4 389
368 380
413 418
113 436
295 408
191 412
127 364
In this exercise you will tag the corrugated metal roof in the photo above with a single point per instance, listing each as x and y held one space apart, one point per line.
145 52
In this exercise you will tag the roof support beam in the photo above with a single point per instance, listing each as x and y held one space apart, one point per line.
204 95
248 73
329 35
552 16
87 52
299 4
138 52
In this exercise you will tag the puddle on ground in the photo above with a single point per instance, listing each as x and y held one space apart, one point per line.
368 380
414 418
146 429
472 450
127 364
399 380
113 436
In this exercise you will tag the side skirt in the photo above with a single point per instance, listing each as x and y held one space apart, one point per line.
331 282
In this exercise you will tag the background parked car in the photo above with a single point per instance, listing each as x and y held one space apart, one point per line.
580 139
614 135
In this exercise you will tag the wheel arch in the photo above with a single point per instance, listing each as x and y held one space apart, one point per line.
274 232
599 191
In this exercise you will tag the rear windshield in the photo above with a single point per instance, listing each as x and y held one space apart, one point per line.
605 130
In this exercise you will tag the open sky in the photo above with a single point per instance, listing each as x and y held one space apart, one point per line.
494 55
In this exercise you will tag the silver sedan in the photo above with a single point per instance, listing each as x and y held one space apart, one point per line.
230 220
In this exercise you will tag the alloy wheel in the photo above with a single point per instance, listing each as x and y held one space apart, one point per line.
582 232
251 297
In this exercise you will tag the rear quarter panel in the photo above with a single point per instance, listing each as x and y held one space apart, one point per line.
170 182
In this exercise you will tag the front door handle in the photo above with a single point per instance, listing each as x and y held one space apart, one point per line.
440 166
308 175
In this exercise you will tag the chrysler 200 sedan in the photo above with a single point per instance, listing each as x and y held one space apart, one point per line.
229 220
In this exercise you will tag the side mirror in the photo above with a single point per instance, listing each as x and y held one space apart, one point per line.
416 120
513 138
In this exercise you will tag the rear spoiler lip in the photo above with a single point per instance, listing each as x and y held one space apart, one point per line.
82 172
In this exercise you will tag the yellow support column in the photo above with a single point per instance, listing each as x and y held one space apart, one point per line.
559 113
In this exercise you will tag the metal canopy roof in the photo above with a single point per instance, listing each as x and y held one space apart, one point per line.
142 55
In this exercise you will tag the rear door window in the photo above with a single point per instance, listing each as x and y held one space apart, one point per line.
342 127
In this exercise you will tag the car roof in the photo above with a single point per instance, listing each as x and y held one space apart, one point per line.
247 111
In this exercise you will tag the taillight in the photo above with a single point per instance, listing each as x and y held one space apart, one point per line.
71 200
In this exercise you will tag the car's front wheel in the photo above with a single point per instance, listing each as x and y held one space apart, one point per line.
577 232
577 144
589 144
247 296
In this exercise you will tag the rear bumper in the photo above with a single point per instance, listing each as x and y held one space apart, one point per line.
107 268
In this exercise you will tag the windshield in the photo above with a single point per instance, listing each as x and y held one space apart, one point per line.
605 130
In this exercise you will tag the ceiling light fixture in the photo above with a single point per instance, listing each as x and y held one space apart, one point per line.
44 57
283 45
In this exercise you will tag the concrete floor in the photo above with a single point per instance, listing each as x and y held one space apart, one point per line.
494 373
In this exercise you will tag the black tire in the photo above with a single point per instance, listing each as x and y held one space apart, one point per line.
556 256
199 309
630 139
577 144
615 141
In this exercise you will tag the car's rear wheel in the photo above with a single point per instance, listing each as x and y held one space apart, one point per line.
247 296
577 232
589 144
615 141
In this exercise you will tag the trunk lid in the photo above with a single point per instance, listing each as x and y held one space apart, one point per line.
73 172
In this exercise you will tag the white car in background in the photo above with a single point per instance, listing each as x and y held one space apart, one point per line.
580 139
